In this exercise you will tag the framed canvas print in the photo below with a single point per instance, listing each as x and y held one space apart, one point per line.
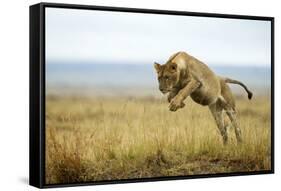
129 95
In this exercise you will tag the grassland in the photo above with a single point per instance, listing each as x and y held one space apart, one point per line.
92 139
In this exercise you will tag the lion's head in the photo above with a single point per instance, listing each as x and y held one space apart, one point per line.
168 76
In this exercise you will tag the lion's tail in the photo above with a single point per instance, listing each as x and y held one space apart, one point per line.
231 81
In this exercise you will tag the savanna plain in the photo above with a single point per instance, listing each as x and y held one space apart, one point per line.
92 138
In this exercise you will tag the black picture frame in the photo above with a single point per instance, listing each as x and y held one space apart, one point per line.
37 92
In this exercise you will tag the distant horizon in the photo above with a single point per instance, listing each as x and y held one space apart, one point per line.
125 78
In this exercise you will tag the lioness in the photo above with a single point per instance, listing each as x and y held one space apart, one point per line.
184 75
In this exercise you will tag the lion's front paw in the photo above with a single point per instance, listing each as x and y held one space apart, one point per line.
176 104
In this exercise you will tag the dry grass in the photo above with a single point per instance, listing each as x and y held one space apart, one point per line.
91 139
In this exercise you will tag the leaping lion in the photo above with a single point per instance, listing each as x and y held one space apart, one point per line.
183 75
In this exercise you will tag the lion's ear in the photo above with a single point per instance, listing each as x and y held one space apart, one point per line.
157 67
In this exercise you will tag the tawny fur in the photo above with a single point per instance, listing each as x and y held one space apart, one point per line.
183 75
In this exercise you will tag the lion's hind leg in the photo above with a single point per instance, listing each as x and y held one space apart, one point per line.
232 116
231 113
217 112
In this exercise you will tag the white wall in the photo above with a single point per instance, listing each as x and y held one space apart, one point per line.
14 38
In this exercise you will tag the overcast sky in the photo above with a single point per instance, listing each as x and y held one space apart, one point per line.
93 36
